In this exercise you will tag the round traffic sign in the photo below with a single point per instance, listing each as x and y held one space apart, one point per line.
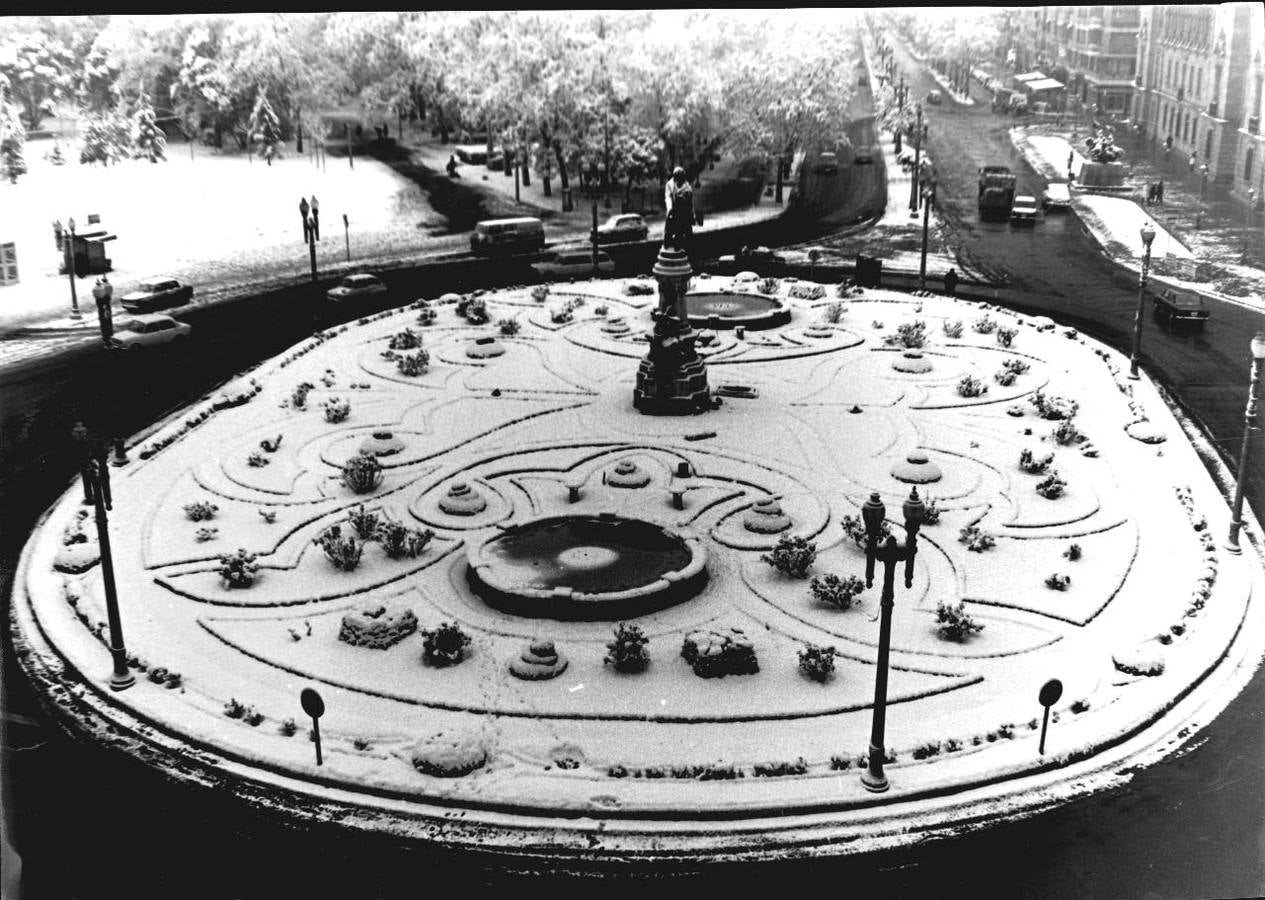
1051 691
313 705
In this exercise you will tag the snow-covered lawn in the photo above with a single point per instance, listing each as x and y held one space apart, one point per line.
547 428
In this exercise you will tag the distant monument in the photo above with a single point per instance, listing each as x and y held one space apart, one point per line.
672 379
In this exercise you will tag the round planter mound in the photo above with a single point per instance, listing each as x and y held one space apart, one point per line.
766 517
627 474
462 500
381 443
912 361
539 661
448 755
1146 431
75 559
377 627
917 469
484 348
586 568
616 326
716 310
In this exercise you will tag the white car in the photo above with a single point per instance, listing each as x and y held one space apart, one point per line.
149 331
357 287
624 227
1023 211
1057 195
573 264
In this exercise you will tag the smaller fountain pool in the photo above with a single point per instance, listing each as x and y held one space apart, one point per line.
718 310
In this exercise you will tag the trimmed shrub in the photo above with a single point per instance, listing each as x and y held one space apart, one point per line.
1073 552
952 329
638 289
362 473
908 334
1018 366
1004 377
1052 487
257 460
343 550
413 364
1058 582
976 539
970 386
835 591
561 315
1066 433
793 556
336 410
774 770
298 398
540 293
854 527
405 340
627 652
1053 407
206 534
1006 336
806 291
1031 464
444 645
927 750
817 662
767 286
233 709
930 512
365 522
508 327
600 310
955 623
398 540
840 763
715 654
984 325
476 312
238 570
288 727
833 313
200 511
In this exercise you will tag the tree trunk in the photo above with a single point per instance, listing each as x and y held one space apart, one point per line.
562 166
298 127
525 163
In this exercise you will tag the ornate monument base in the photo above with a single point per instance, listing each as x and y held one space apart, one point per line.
672 379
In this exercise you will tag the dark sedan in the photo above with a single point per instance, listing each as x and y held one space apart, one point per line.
1174 307
156 293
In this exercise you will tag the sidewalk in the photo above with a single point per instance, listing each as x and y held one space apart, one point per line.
1207 258
1115 222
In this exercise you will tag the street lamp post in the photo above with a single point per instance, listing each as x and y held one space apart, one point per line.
1148 235
70 268
918 135
928 198
1249 419
1203 194
96 475
1247 220
889 554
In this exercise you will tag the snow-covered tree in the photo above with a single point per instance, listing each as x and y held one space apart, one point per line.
265 128
12 137
148 139
107 138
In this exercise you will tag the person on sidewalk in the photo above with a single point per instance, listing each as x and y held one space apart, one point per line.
452 166
1191 161
316 219
950 282
1159 192
303 214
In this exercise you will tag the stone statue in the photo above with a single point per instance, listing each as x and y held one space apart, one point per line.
678 199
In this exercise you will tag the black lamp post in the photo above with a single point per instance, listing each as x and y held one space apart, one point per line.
1247 220
1203 194
1148 235
96 485
928 198
70 268
1249 419
889 554
919 133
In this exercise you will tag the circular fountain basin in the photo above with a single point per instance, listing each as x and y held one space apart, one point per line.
719 310
586 568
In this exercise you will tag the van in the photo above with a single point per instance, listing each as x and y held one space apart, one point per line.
508 235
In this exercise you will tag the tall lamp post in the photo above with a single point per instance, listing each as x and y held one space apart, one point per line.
1247 220
928 198
1249 419
889 554
69 237
96 485
1148 235
1203 194
918 135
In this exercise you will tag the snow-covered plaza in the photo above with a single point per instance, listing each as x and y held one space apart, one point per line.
1076 524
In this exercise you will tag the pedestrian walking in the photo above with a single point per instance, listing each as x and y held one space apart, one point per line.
1159 192
452 166
303 211
1191 161
316 219
950 281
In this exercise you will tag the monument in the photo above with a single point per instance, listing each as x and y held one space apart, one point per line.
672 379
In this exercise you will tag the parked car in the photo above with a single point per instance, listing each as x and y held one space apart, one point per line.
935 98
1174 306
762 260
360 286
161 292
472 154
1023 211
828 162
623 227
148 331
1057 196
573 264
508 235
863 156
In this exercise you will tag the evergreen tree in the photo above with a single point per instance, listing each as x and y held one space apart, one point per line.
106 139
148 139
265 127
12 140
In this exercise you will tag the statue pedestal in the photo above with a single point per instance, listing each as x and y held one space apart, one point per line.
672 379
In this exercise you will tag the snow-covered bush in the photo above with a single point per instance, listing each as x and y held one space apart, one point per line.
343 550
806 291
561 315
233 709
405 340
833 313
601 309
952 329
362 473
714 654
793 556
817 662
638 289
257 460
200 511
377 627
1058 581
444 645
976 539
540 293
1006 336
476 312
1016 365
1052 487
336 410
627 652
1053 407
777 769
1066 433
767 286
298 398
930 512
1031 464
238 570
202 535
1004 377
854 527
365 522
834 591
268 515
955 623
970 386
985 324
398 540
508 327
413 364
1073 552
288 727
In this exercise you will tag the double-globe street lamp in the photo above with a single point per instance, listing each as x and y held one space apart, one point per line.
919 135
928 199
1148 235
1249 419
68 237
889 554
